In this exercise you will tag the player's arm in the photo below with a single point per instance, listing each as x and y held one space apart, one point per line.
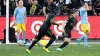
87 8
16 1
63 25
52 22
15 12
25 16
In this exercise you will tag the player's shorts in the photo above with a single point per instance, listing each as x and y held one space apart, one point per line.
85 27
44 32
66 34
21 26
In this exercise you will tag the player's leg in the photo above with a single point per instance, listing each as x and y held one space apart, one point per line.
85 41
84 35
53 38
79 40
87 32
18 26
66 42
23 27
67 38
37 38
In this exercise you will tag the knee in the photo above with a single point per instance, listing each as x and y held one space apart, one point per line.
66 40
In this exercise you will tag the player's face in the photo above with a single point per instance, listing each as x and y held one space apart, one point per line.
20 3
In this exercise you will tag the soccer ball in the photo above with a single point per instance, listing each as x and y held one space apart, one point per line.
20 42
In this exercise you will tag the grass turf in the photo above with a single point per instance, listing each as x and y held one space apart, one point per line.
70 50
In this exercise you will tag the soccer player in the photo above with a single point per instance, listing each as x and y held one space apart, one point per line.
20 19
49 11
67 27
84 23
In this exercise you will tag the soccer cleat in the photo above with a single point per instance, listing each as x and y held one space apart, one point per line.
78 42
36 44
28 51
46 49
59 49
87 46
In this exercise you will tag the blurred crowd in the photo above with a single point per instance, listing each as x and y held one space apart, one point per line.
34 7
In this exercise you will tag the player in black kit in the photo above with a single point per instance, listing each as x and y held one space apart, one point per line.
49 11
67 26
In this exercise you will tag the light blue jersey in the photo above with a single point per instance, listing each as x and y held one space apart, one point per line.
84 16
20 14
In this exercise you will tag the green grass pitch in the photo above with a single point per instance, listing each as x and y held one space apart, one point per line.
70 50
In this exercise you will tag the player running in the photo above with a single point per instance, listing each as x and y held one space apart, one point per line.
67 27
49 11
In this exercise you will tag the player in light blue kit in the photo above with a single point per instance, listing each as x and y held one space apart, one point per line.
84 24
20 19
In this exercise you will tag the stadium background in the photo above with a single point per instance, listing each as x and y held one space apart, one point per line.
34 22
71 50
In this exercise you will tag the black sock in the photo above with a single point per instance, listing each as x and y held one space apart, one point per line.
64 44
33 43
50 42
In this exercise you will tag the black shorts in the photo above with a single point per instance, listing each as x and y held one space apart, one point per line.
67 34
43 33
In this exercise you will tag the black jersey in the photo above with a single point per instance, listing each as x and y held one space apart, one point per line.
50 8
46 25
71 22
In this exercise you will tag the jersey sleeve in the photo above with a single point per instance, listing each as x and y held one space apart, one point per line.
15 12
